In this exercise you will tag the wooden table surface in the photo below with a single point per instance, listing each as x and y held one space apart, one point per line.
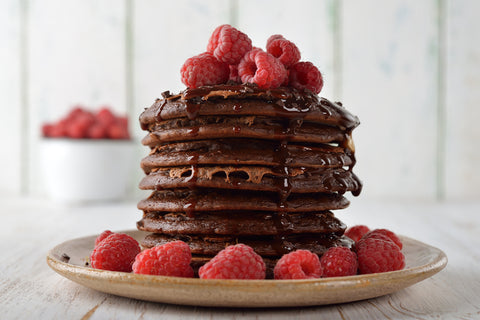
29 289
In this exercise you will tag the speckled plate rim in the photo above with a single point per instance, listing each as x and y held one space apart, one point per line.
422 261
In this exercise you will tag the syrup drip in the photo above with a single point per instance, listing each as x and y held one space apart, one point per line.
192 199
347 144
158 114
192 131
281 218
192 109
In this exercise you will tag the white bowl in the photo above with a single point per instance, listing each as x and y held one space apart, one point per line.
86 170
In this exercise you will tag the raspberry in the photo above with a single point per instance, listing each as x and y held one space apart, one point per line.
47 129
204 69
76 131
234 74
59 129
79 125
300 264
123 121
117 131
170 259
376 255
339 262
304 75
75 112
380 233
228 44
105 116
286 51
116 253
357 232
262 68
234 262
274 37
102 236
97 131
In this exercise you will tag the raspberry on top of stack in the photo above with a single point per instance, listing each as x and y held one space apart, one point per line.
248 153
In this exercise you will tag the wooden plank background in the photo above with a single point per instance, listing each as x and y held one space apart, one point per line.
409 69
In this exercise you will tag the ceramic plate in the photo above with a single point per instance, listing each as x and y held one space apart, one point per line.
69 260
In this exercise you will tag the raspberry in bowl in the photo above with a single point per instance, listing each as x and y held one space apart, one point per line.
86 156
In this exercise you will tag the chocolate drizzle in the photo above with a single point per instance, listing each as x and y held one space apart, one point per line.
225 100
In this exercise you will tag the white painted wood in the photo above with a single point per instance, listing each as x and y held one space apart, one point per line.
30 289
11 129
76 55
310 24
390 81
462 152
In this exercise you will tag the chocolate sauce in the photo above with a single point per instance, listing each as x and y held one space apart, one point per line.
281 218
158 114
192 132
191 202
227 99
192 109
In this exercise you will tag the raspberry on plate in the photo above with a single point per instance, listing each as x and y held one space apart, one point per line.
304 75
234 262
170 259
286 51
339 262
116 253
228 44
299 264
377 255
380 233
102 236
356 232
204 69
260 67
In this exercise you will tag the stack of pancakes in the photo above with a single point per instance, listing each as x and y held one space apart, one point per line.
239 164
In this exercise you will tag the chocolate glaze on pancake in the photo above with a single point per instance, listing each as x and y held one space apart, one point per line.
248 99
241 223
264 245
236 163
245 152
302 180
220 200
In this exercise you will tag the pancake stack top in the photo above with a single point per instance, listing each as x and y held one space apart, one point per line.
234 163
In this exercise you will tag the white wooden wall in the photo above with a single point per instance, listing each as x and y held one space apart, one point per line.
409 69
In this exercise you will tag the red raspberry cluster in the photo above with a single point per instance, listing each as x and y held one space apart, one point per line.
230 56
378 250
375 251
81 123
120 252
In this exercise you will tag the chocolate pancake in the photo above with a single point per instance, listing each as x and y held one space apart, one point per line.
302 180
247 99
241 223
208 246
252 127
238 164
244 152
186 200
